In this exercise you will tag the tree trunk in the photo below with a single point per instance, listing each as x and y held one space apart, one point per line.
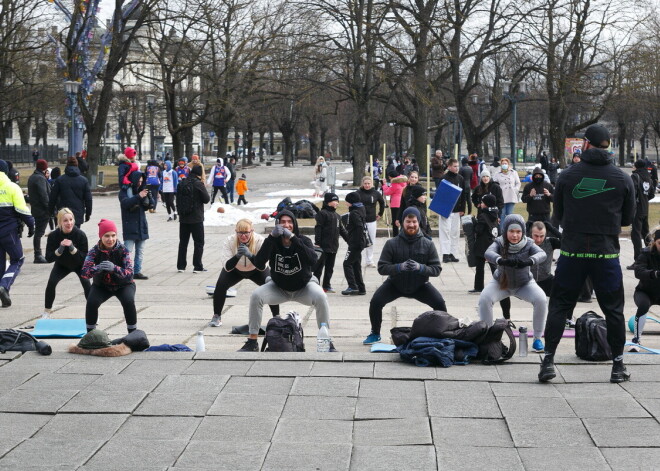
420 136
360 139
247 141
24 128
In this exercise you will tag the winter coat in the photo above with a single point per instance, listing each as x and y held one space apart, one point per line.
437 167
219 175
516 277
592 200
122 168
241 187
643 187
133 210
486 230
401 248
394 190
553 168
121 276
509 183
12 206
72 191
476 172
72 261
290 267
356 220
429 351
371 198
543 270
405 199
39 193
200 197
482 190
646 266
539 203
457 180
228 254
328 229
467 173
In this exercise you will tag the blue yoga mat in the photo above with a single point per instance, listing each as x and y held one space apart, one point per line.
382 348
60 328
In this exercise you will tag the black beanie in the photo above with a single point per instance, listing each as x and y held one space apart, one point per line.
328 197
352 197
416 191
640 164
411 210
196 170
489 200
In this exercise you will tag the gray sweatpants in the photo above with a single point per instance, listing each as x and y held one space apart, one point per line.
310 295
531 292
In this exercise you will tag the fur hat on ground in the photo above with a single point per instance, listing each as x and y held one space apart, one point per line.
96 342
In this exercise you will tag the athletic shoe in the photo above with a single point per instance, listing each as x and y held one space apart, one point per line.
329 290
40 259
619 372
371 339
169 219
547 369
350 292
46 314
140 276
199 270
332 347
175 216
570 324
181 270
215 321
371 265
362 293
537 346
452 258
4 297
250 346
446 258
630 267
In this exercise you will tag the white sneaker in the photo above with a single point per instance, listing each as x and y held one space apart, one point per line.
371 265
231 293
46 314
181 271
215 322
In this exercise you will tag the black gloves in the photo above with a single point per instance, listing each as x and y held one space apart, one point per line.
31 231
514 263
87 216
506 262
524 263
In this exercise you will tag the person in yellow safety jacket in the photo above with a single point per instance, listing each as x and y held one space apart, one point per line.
12 208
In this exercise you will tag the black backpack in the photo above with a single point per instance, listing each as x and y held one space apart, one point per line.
185 200
18 341
591 338
284 334
491 348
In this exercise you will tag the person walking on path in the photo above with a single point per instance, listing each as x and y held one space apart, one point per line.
645 192
241 189
371 198
593 200
320 177
134 204
236 258
39 194
394 190
466 171
513 253
408 261
12 210
450 228
647 292
509 182
291 257
66 249
154 177
109 265
72 191
356 243
327 230
191 197
231 165
168 190
218 177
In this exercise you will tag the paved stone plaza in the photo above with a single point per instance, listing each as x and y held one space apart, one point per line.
348 410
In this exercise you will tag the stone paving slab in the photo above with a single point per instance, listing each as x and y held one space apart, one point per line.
346 369
236 429
415 431
372 458
620 459
317 456
331 386
643 389
284 368
14 379
157 366
255 385
225 456
233 368
95 367
624 432
535 406
159 428
14 428
180 404
153 452
49 381
525 390
555 432
195 384
462 432
51 452
392 388
34 401
606 407
320 408
566 458
77 426
248 405
469 458
119 382
314 431
391 407
108 402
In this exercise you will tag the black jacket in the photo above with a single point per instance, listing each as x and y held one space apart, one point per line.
539 203
401 248
68 260
593 199
39 193
356 221
457 180
405 201
290 267
646 266
71 190
486 230
200 197
328 229
644 189
424 224
370 198
133 218
482 190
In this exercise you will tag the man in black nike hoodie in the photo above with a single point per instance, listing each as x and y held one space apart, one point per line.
593 199
291 257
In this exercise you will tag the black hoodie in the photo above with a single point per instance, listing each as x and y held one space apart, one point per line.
328 229
290 267
593 199
539 203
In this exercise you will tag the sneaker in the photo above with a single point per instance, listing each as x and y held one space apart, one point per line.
329 290
199 270
140 276
40 259
537 346
215 321
181 270
4 297
250 346
446 259
474 291
175 216
47 313
332 347
452 258
570 324
169 219
371 339
371 265
362 293
630 267
350 292
619 372
547 369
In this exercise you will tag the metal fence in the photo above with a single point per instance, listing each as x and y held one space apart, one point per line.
23 154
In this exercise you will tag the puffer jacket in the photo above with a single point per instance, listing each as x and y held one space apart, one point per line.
395 189
328 229
122 274
516 277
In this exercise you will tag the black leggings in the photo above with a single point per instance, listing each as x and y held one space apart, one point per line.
100 294
395 217
227 279
168 199
388 292
223 190
643 301
326 261
57 274
505 304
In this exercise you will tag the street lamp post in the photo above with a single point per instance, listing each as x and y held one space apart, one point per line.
71 90
151 102
514 92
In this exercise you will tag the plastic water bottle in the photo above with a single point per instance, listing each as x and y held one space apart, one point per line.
323 339
522 341
200 346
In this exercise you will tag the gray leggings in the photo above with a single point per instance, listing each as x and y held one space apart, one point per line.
531 292
270 293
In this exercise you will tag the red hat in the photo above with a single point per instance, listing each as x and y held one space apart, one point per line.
105 226
130 153
42 165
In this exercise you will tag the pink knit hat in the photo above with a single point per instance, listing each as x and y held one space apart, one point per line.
130 153
105 226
